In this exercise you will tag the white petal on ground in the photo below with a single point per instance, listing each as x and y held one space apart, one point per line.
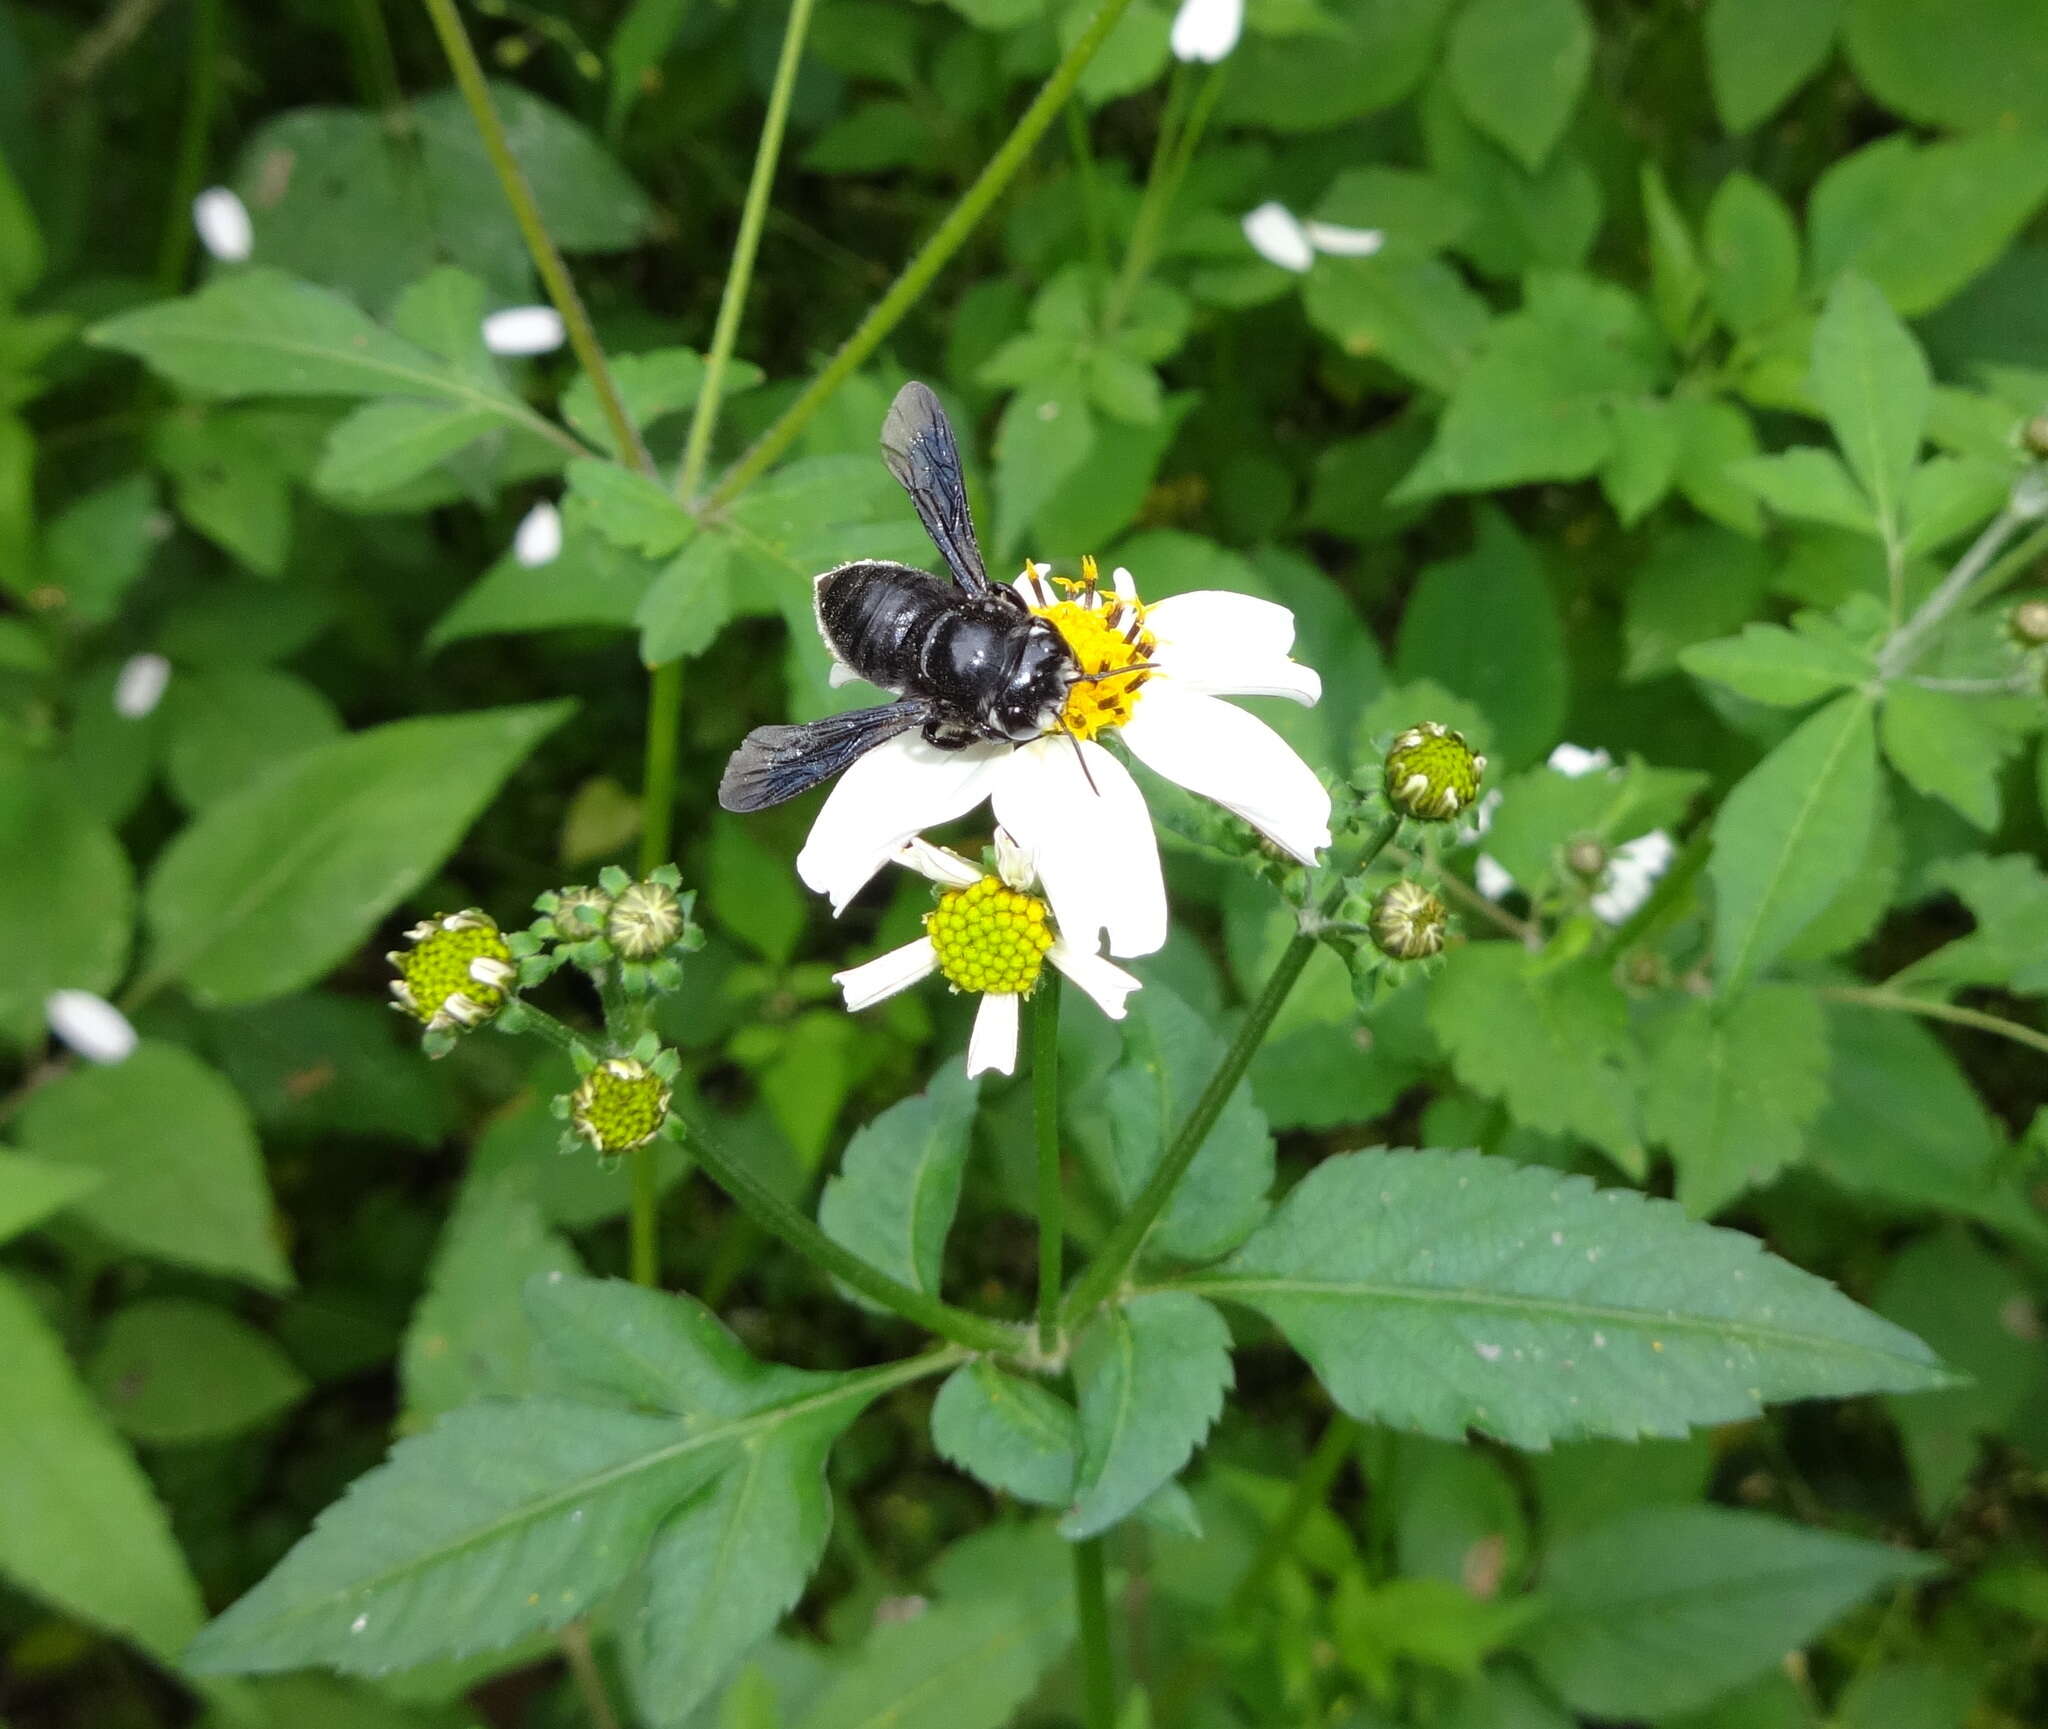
937 863
1106 982
1092 846
1230 645
993 1044
885 975
221 221
1278 238
897 790
139 686
1632 872
1341 242
1235 758
538 538
524 330
1206 30
90 1025
1574 760
1491 879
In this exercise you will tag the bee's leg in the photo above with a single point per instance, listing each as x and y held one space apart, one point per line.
948 732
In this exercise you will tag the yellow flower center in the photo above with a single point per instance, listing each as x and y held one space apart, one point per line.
990 938
1106 634
620 1105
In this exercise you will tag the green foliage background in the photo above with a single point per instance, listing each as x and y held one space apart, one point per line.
1696 361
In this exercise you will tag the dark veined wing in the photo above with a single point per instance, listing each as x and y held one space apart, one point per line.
775 763
917 443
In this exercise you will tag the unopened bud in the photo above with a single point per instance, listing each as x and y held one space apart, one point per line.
1408 922
456 975
1585 857
2027 623
1432 773
578 912
2033 436
620 1105
645 920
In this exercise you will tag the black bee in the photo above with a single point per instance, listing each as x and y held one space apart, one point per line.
967 659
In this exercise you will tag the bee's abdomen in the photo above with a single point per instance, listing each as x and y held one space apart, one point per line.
875 616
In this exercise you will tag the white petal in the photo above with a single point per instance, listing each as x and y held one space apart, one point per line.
1631 874
1652 852
885 975
993 1044
1013 863
538 538
1241 676
1572 760
1206 30
1092 845
90 1025
139 686
1482 817
1035 588
1341 242
222 222
1123 584
1278 238
1491 878
524 330
895 791
1231 644
1235 758
1103 980
940 864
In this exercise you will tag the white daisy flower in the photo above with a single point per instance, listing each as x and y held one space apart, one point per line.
538 538
1280 237
139 685
1153 675
524 330
990 935
1206 30
221 221
1631 869
90 1025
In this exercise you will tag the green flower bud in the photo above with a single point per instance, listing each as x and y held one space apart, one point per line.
1408 922
457 974
620 1105
1586 857
644 921
578 912
2033 436
1432 774
2027 622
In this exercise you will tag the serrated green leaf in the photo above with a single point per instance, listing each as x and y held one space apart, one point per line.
898 1185
1760 51
1549 1041
271 886
653 385
1015 1434
1518 66
1769 664
171 1370
1752 254
183 1173
1151 1375
66 915
1416 314
1979 63
32 1189
1942 747
1871 380
1732 1088
1678 283
631 510
1789 835
590 582
385 444
1445 1291
84 1529
2008 897
227 727
1659 1610
1043 435
1809 483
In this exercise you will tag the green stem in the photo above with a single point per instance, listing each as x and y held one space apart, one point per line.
658 777
547 257
575 1642
931 258
644 1218
1121 1247
370 48
202 75
1905 644
1170 159
777 1217
1936 1011
740 272
523 1017
1091 1605
1045 1105
1311 1490
1091 191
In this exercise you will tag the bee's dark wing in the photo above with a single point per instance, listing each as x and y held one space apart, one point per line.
917 443
775 763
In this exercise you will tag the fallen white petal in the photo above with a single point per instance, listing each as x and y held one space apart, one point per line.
222 222
1226 754
538 538
1092 846
898 789
1574 761
1341 242
993 1043
1490 877
939 864
1206 30
1106 982
885 975
1632 872
1278 238
524 330
139 686
90 1025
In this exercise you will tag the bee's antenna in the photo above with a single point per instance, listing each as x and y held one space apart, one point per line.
1081 757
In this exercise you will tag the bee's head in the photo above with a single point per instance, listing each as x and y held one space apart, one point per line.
1036 689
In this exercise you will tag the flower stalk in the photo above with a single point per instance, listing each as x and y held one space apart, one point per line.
1045 1105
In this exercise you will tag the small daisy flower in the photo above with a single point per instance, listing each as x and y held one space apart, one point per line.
90 1025
1206 30
1280 237
621 1104
992 936
523 330
221 221
1152 675
456 975
1622 877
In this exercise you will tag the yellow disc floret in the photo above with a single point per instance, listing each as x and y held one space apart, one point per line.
990 938
1106 634
620 1105
457 972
